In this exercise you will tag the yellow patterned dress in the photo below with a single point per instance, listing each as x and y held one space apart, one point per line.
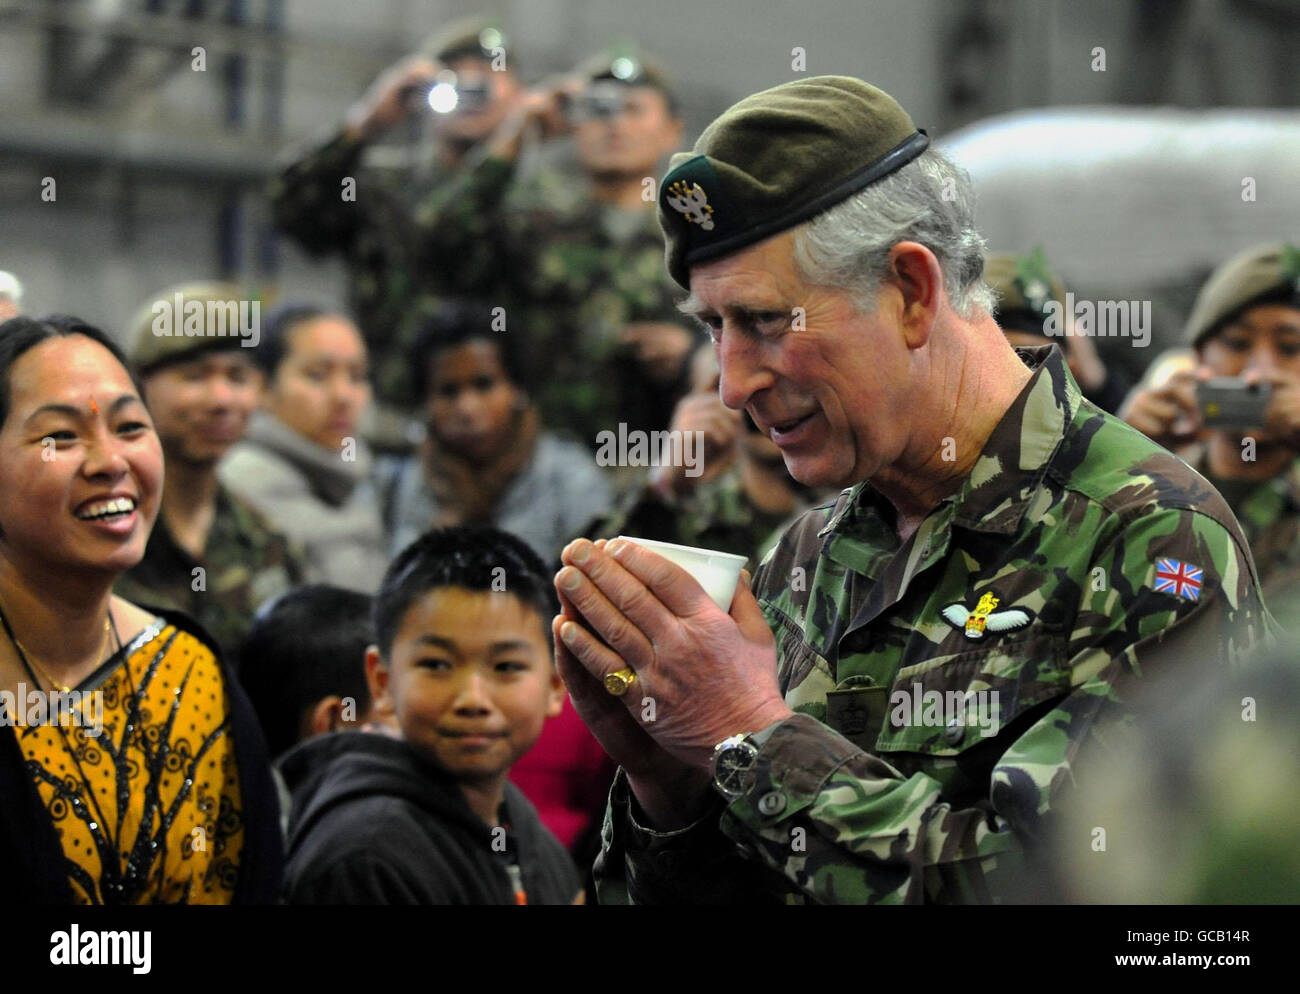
147 811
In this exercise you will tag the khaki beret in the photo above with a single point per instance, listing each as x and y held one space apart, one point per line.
776 159
1025 285
627 66
1258 275
476 36
189 319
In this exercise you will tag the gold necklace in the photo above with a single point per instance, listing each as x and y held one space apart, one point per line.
54 684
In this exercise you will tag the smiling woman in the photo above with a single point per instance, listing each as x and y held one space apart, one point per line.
157 799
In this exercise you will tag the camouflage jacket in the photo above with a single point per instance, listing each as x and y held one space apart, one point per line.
245 563
373 233
716 515
1072 552
570 275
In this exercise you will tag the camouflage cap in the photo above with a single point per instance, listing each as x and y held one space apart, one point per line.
1258 275
476 36
178 324
776 159
1025 285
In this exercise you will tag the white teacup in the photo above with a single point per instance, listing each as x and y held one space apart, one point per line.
716 572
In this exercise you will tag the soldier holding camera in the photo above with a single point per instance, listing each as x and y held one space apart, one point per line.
1236 417
350 195
576 261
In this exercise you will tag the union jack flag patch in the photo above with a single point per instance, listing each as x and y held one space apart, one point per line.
1178 578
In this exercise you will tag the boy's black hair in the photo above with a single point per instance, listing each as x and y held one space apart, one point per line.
303 646
454 324
468 557
20 334
273 346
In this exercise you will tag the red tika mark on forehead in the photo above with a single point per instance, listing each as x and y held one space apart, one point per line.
94 408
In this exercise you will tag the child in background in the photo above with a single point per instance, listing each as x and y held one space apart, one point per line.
303 664
304 669
463 658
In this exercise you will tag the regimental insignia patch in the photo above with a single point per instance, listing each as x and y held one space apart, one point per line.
985 619
690 200
1178 578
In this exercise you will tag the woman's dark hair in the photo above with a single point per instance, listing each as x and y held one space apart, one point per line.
471 557
274 343
303 646
455 324
22 334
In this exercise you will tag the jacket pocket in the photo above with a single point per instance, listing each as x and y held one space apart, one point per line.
949 704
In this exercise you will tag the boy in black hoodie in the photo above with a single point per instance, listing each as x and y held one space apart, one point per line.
464 659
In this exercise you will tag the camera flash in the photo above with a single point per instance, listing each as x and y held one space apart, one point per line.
443 98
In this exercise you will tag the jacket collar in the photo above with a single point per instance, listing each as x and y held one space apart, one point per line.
1016 457
328 474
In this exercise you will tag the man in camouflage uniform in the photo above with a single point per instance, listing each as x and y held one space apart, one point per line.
893 712
210 554
371 225
1245 326
576 262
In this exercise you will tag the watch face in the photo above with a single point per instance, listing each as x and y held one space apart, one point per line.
733 763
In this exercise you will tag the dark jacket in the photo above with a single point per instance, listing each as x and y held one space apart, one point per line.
371 823
33 857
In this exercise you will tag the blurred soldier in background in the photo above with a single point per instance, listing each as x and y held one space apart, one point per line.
1025 285
577 262
210 554
346 195
1245 331
1193 802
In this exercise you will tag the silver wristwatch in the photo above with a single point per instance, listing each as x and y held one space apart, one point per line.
733 758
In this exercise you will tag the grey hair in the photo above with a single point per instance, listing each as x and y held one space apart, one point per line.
931 201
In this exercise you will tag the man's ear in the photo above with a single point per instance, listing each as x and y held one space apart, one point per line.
915 272
377 680
558 691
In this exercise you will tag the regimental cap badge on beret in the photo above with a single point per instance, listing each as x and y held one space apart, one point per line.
776 159
1034 280
690 200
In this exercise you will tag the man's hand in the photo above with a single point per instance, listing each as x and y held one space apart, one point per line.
669 791
706 674
1282 418
1166 415
541 109
704 412
391 97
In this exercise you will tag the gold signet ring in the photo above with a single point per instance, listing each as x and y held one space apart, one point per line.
618 682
